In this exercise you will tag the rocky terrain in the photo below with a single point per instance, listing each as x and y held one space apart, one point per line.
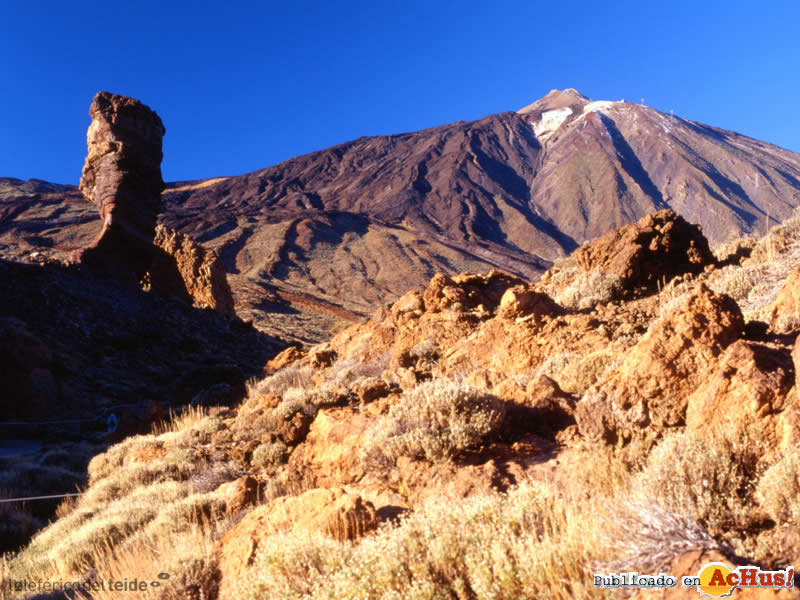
330 236
482 437
88 356
489 433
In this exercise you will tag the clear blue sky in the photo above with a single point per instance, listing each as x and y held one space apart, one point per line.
243 85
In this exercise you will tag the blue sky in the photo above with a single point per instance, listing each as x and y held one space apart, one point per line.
243 85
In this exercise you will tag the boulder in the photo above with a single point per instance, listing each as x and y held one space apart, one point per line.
370 389
322 357
648 391
285 358
467 291
796 359
522 300
746 392
784 313
122 177
332 512
238 494
330 451
653 250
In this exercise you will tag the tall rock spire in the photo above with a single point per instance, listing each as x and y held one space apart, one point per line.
122 177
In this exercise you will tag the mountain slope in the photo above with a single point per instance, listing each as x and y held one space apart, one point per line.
336 233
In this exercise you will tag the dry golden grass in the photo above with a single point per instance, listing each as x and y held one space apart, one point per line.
181 420
179 566
579 375
282 380
269 454
142 491
539 540
152 505
756 283
526 544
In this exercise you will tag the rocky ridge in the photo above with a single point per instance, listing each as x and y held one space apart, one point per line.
513 191
478 394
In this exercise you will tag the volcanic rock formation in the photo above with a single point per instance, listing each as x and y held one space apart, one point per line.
337 233
650 251
122 177
183 268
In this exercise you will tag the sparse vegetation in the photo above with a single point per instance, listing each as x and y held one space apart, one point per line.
269 455
570 506
756 283
778 490
435 421
280 381
645 537
710 478
526 544
588 289
578 375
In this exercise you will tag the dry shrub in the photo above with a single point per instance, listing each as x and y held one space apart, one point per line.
589 289
255 420
579 375
282 380
710 478
125 497
554 364
109 462
202 431
778 490
268 455
736 249
182 419
180 516
178 566
208 476
435 420
744 284
346 371
71 544
756 283
644 537
787 323
136 475
526 544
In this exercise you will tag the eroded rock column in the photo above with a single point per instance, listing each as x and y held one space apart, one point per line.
122 177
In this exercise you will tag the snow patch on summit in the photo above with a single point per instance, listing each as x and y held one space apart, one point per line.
550 121
598 106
